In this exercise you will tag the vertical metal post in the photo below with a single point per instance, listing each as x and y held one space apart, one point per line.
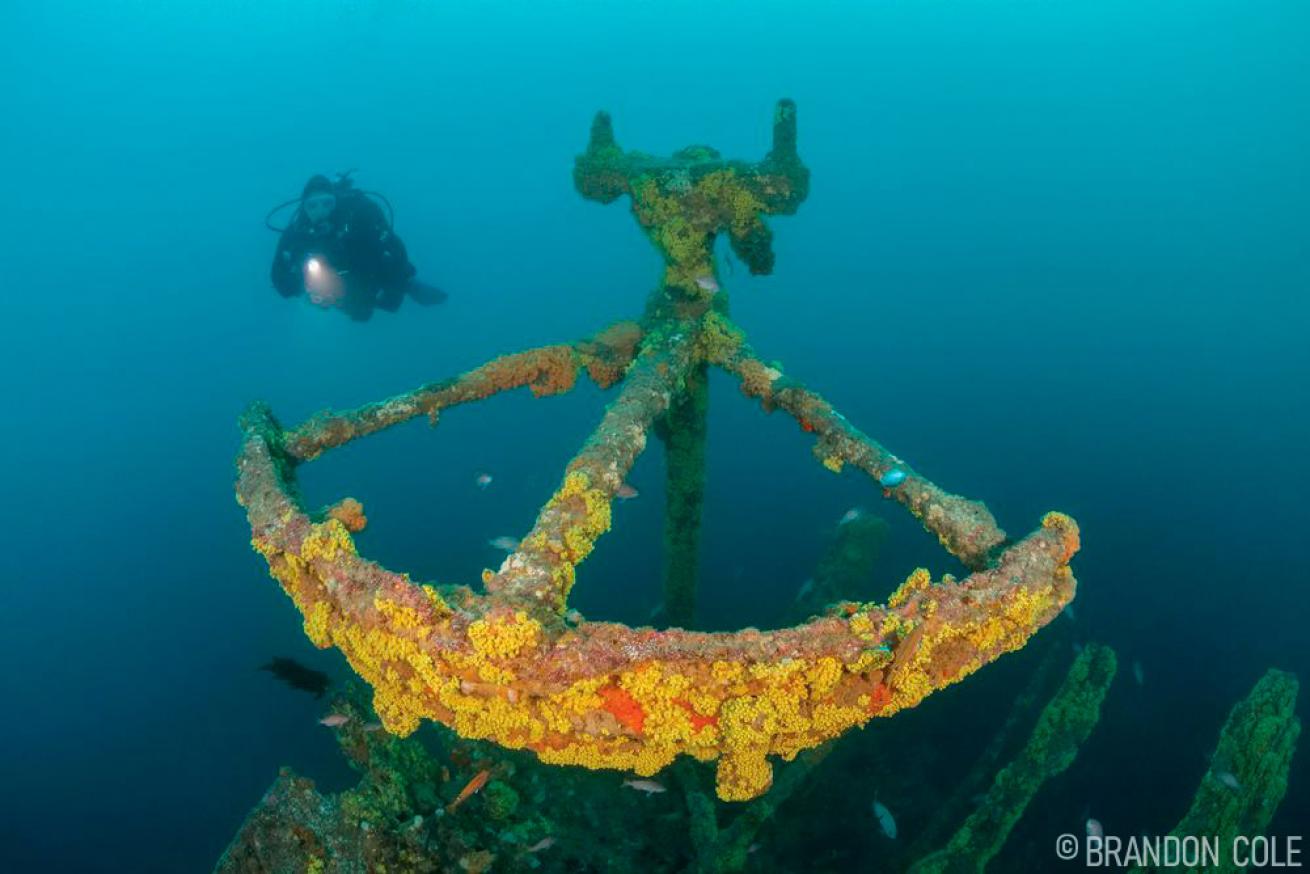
683 431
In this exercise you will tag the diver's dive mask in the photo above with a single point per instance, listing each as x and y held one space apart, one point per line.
317 207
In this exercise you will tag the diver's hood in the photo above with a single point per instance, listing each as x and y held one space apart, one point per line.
318 184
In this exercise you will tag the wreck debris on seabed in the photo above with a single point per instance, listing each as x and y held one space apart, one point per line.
1064 725
1247 778
515 682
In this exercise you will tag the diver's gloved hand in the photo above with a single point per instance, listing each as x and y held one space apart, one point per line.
424 294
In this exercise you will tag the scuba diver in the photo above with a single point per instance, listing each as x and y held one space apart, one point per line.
340 250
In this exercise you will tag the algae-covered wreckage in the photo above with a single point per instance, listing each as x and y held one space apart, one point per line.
504 664
508 663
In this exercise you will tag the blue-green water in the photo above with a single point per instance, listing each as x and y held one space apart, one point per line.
1056 255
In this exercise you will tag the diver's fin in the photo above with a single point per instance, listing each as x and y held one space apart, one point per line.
425 294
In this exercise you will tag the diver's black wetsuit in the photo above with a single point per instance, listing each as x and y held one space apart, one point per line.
357 242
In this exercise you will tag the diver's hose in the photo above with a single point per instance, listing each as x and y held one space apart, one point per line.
268 217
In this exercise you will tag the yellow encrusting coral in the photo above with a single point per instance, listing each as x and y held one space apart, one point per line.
918 581
585 509
317 616
503 637
741 711
327 540
641 718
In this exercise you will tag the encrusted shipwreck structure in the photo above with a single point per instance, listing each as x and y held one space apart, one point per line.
1063 727
511 664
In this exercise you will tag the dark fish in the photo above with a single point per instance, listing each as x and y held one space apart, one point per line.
297 676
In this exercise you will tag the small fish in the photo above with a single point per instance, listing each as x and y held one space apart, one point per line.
335 720
707 283
805 589
1139 676
885 819
1227 779
573 617
626 492
892 478
297 676
483 480
650 787
372 726
543 844
850 515
470 789
505 542
1068 613
753 848
1094 828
